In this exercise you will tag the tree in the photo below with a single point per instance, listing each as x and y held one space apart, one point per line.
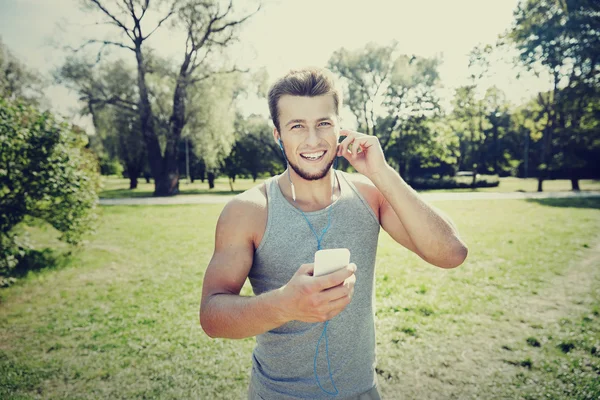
392 96
110 97
254 151
46 173
562 38
366 72
208 28
465 109
16 81
496 117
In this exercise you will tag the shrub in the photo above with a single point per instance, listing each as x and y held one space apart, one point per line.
461 182
45 173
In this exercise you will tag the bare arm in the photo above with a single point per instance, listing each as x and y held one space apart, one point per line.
224 313
402 212
417 225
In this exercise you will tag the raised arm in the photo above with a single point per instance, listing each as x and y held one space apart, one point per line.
402 212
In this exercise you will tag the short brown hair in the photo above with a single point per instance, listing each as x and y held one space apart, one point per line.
310 82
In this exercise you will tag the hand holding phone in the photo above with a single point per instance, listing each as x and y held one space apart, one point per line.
330 260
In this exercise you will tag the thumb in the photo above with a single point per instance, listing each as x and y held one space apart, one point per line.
306 269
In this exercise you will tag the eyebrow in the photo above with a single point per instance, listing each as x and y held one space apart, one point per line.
296 121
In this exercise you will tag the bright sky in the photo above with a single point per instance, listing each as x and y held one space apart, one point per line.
290 33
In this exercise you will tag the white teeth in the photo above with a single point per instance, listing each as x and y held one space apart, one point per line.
313 156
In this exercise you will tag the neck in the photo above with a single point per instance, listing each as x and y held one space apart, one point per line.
310 195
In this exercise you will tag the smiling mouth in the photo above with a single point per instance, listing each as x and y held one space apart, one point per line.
315 156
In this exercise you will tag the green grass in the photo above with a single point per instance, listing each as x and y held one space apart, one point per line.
120 319
114 187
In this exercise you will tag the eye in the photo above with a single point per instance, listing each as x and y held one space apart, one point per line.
294 126
325 122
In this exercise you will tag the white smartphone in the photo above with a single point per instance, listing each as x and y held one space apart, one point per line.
330 260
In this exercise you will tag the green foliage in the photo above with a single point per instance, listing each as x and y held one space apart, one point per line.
16 81
46 173
110 166
453 182
254 152
562 39
109 95
393 96
211 117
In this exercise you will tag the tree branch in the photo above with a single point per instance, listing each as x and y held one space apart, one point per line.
233 23
113 100
206 76
171 12
108 14
108 42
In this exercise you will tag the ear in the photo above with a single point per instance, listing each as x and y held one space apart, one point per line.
276 136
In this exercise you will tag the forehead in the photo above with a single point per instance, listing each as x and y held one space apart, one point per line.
304 107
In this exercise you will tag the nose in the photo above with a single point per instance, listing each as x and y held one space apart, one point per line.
313 138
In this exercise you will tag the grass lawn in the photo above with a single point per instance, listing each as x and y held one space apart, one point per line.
520 319
115 187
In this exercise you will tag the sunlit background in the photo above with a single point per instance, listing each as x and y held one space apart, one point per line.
290 34
489 109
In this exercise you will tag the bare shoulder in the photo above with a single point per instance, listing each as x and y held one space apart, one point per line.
367 189
246 213
249 202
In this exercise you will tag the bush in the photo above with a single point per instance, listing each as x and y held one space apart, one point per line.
110 166
462 182
46 173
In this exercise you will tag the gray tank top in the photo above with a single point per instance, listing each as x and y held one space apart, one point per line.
283 360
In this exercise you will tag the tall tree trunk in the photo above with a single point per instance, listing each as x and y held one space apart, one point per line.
133 173
133 182
575 184
526 155
155 158
551 110
496 149
211 180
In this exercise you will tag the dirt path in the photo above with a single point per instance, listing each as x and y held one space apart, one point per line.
449 196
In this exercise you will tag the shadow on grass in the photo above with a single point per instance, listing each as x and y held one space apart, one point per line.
37 260
584 202
128 194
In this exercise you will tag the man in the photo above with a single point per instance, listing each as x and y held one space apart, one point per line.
270 234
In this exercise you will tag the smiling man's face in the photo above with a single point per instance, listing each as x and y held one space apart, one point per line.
309 132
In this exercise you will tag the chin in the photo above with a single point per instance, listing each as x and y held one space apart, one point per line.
312 175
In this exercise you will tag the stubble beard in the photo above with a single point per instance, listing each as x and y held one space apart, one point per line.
305 175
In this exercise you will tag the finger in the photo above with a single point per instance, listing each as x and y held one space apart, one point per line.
361 144
335 278
345 143
306 269
357 146
334 293
337 306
